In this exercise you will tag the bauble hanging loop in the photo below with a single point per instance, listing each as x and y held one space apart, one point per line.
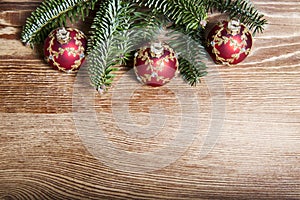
234 27
229 42
63 36
156 49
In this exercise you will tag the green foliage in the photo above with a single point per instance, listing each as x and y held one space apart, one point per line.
149 28
242 10
183 12
191 54
111 41
50 15
192 70
190 13
115 30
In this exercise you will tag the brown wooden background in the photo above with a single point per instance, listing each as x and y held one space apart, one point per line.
256 154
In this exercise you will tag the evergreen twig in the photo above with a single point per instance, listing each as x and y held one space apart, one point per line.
242 10
51 14
189 13
111 41
114 32
191 53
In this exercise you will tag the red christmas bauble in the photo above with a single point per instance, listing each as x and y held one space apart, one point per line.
155 64
64 49
229 42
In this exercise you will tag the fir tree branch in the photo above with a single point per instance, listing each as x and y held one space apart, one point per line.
51 14
149 27
242 10
191 73
191 54
111 41
189 13
186 43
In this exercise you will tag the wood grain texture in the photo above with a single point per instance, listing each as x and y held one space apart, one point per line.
256 154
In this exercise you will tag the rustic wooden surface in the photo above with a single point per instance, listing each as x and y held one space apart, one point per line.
256 154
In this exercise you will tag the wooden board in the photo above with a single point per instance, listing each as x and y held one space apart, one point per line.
235 135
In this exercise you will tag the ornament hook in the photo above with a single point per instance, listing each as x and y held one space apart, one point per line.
234 26
157 49
63 36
